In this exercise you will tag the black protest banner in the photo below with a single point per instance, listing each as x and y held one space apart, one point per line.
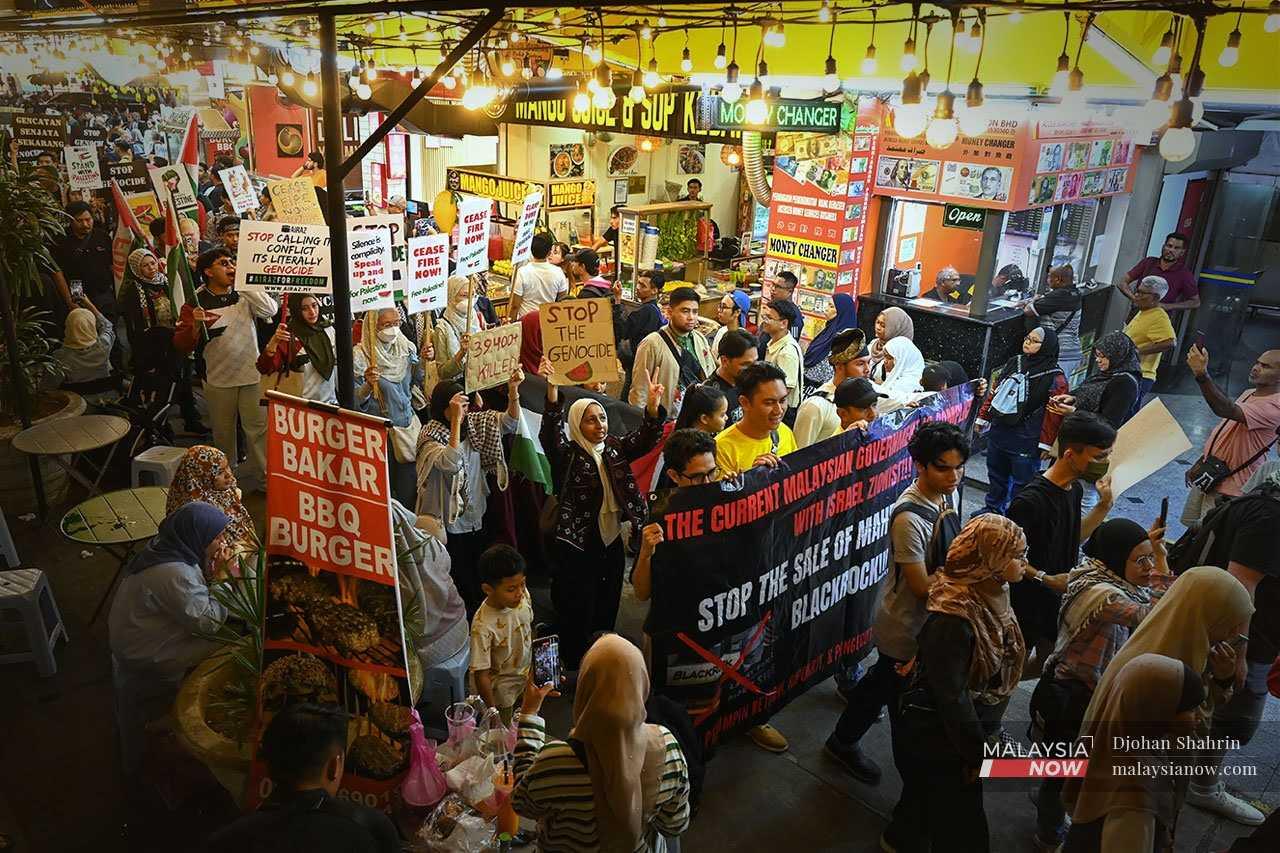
766 583
39 133
131 175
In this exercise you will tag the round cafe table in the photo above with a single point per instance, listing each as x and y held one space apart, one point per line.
116 522
64 440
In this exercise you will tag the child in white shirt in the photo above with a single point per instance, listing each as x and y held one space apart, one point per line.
501 630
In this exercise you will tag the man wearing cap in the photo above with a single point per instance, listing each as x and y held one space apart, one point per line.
855 403
817 418
777 319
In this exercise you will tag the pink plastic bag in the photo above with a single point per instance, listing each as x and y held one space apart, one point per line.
424 784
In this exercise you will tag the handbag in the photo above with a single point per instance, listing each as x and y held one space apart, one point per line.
1209 471
404 440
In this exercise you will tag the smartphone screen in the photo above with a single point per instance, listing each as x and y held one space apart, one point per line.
546 660
1200 339
1164 512
76 286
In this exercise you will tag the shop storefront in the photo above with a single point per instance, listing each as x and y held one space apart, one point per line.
1000 210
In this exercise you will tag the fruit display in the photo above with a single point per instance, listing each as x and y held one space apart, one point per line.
502 267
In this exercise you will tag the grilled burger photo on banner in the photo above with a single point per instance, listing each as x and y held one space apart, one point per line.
766 583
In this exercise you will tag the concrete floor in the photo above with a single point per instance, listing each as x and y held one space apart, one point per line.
60 789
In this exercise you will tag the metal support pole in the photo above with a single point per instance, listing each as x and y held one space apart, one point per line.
336 213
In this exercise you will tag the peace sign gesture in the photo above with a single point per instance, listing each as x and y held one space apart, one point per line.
654 397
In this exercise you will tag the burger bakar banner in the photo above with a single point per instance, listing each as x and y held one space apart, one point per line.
786 567
332 631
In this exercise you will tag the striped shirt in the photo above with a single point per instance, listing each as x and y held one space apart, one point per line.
554 788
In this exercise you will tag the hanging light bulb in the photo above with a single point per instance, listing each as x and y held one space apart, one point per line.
1156 111
515 36
943 128
636 93
972 40
908 61
370 71
651 78
604 98
287 78
364 92
1272 22
581 100
1231 53
1058 87
731 91
1177 143
1163 52
556 20
449 82
973 119
831 76
402 35
310 88
722 59
357 72
869 60
555 73
417 76
910 117
757 111
646 31
526 70
1074 99
686 61
508 68
824 12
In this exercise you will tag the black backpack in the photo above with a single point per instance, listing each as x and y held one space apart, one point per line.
1196 544
946 525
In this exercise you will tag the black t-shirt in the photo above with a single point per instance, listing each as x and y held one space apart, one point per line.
734 411
88 260
310 822
1050 517
1248 537
610 234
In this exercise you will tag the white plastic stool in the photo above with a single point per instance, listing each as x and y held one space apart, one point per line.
156 466
445 683
8 551
27 592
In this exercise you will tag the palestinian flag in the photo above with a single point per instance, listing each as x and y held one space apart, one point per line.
128 236
527 455
189 157
181 288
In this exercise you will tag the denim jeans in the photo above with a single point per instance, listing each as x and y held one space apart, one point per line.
1012 462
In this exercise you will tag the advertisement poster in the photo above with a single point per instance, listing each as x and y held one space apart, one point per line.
524 228
278 258
789 564
173 186
369 263
84 172
983 168
427 287
494 355
38 133
239 189
473 235
294 200
332 631
577 338
568 160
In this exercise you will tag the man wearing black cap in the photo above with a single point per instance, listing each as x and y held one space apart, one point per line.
856 401
777 319
817 418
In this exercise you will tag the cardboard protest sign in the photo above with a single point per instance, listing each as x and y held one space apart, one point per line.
173 185
790 565
493 356
84 170
145 206
278 258
524 228
239 189
38 133
577 338
369 266
332 618
426 285
1147 442
294 200
473 236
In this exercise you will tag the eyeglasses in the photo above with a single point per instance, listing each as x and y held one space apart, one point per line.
1146 561
704 477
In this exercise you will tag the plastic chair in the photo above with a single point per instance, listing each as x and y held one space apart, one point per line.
444 684
156 466
27 592
8 551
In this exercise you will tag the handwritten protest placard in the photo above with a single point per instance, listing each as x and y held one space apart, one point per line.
84 171
493 356
473 235
369 259
426 288
239 189
577 337
524 229
279 258
294 200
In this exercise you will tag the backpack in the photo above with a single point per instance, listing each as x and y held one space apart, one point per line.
946 525
1197 542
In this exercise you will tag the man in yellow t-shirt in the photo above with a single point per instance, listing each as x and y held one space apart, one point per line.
1151 331
760 437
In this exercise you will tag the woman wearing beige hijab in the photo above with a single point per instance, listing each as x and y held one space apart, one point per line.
1114 808
891 323
636 772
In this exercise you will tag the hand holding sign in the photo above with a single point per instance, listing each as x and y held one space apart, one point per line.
493 356
577 337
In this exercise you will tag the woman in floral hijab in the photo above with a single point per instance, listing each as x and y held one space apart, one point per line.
204 475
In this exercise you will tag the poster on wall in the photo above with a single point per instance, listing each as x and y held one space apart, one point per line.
525 227
332 619
691 159
426 288
568 160
239 189
493 356
473 235
289 140
369 262
790 563
84 169
577 338
278 258
294 200
623 160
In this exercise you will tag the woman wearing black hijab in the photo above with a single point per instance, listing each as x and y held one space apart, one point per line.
1111 391
1123 575
1015 412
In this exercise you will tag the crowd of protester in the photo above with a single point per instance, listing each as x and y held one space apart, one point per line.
1043 583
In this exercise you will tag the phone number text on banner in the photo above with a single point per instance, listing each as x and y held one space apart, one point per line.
787 563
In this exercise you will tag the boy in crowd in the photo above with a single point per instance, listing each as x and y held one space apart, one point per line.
921 527
648 318
675 355
305 748
501 630
777 320
855 403
760 438
229 233
537 282
817 418
737 351
1048 509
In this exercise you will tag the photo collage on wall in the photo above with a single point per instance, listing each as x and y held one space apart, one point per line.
1067 170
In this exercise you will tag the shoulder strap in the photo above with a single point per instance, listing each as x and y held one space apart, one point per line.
774 441
928 514
1067 322
1255 457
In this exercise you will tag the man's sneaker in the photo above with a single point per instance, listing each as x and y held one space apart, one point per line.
863 768
1218 800
768 738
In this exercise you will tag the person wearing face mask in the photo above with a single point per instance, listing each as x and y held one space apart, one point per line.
1049 510
387 368
303 345
597 492
452 335
966 668
160 608
1124 574
1020 428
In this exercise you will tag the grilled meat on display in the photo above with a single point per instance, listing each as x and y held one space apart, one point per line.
343 626
370 755
393 719
300 588
298 677
379 602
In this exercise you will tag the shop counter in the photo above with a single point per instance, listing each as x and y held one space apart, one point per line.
946 333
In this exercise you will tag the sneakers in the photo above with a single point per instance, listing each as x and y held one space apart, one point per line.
863 768
768 738
1218 800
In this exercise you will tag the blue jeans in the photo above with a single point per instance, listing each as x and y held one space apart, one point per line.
1012 462
1144 388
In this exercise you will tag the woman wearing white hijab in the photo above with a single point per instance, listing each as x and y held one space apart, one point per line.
597 491
453 333
636 772
387 367
904 365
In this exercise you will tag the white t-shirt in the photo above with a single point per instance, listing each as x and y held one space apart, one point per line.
501 642
538 283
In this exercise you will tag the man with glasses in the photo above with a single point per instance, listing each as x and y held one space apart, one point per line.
947 288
